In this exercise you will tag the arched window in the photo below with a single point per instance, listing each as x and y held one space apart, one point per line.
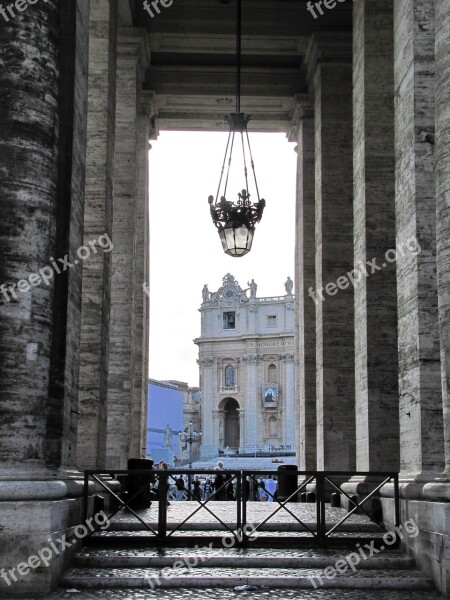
230 376
272 374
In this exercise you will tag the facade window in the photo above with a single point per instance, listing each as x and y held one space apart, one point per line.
271 320
273 427
229 320
272 374
230 376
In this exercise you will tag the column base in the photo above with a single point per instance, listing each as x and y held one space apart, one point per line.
427 535
412 486
39 510
33 515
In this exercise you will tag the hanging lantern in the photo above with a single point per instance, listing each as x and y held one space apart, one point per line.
235 221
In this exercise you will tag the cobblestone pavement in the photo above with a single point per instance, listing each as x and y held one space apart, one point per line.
224 594
249 552
256 511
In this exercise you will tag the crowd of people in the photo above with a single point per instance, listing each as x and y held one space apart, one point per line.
220 486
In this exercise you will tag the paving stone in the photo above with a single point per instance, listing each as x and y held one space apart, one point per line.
224 594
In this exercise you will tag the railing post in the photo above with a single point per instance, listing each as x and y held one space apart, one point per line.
244 503
162 507
86 496
320 507
397 501
240 497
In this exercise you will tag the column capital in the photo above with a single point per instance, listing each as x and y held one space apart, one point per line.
148 110
327 48
303 109
287 357
134 45
206 361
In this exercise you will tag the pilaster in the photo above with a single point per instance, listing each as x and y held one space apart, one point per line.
248 435
376 353
305 309
207 377
441 489
132 60
330 77
96 283
421 419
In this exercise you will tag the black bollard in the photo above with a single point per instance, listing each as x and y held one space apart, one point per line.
335 500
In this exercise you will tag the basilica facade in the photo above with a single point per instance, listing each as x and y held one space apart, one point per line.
247 374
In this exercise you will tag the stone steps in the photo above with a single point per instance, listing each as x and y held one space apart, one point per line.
205 577
199 526
212 557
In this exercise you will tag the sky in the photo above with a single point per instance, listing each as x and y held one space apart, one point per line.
185 249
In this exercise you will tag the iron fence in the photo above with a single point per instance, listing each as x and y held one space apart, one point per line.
326 527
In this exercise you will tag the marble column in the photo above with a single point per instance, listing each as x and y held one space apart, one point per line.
376 354
208 449
441 491
216 418
242 428
95 308
29 179
132 59
42 169
288 437
141 294
330 75
305 308
248 439
421 419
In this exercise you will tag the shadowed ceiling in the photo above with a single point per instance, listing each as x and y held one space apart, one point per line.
193 59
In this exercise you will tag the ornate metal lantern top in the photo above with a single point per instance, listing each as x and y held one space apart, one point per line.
236 221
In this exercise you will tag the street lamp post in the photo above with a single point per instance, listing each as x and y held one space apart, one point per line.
189 436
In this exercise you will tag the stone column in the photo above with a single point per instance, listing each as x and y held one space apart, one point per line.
376 357
42 170
141 294
441 491
95 307
29 177
216 417
305 315
289 399
421 420
242 423
248 439
132 58
330 76
208 449
42 179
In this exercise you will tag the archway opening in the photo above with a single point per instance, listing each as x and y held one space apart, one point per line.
232 432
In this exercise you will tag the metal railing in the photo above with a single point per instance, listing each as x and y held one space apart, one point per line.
320 530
